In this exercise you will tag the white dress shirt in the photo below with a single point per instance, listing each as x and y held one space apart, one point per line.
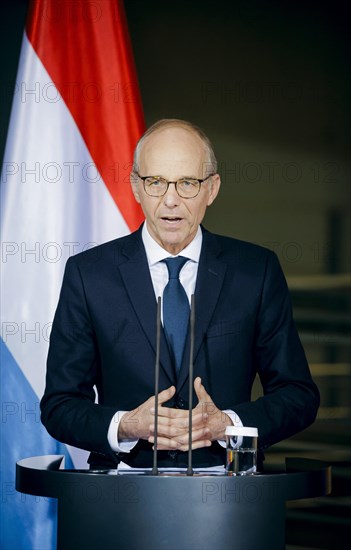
159 274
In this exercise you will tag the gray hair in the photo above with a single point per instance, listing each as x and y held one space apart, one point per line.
167 123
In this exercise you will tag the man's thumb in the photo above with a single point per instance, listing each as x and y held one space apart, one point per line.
166 395
200 389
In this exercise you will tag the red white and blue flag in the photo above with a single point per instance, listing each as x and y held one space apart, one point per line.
75 120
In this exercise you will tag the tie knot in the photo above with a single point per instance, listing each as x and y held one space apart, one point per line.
174 266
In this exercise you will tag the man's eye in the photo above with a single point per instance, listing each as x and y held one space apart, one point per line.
154 182
188 183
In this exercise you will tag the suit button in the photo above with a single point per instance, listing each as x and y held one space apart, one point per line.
180 403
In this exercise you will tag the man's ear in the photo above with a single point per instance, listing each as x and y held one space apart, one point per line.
134 181
215 183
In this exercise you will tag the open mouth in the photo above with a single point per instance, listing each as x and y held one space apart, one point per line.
171 219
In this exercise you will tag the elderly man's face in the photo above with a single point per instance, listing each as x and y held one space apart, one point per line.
174 153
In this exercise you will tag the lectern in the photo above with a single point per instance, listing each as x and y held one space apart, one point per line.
105 510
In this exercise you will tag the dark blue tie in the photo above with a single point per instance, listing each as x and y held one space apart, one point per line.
175 310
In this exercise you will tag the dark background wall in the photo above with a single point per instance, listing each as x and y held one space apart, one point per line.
269 83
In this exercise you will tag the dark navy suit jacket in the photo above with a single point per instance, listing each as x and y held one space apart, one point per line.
103 335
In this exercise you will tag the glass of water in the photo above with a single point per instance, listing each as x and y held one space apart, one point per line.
241 443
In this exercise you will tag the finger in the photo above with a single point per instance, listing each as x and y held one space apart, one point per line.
176 428
196 445
180 417
167 412
182 420
200 434
166 395
197 382
166 427
163 397
182 438
171 432
165 444
176 423
200 391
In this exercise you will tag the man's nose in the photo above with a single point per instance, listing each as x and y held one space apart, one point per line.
171 197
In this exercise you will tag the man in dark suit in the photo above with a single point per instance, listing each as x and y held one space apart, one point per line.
104 330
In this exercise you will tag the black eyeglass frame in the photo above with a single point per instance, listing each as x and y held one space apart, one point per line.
199 181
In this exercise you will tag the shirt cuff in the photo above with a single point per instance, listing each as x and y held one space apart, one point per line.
236 422
112 435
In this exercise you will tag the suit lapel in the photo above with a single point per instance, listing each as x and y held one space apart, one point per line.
209 283
137 280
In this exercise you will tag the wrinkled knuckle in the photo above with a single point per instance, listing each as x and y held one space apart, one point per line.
180 443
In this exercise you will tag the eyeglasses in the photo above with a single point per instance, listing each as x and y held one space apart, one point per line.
187 188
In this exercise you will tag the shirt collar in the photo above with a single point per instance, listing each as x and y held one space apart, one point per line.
155 253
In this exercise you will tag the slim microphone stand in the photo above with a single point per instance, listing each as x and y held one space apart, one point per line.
157 377
190 471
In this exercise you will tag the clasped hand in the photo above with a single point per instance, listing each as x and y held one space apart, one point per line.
208 422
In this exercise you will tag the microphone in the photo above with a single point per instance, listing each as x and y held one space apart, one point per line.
190 471
157 377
